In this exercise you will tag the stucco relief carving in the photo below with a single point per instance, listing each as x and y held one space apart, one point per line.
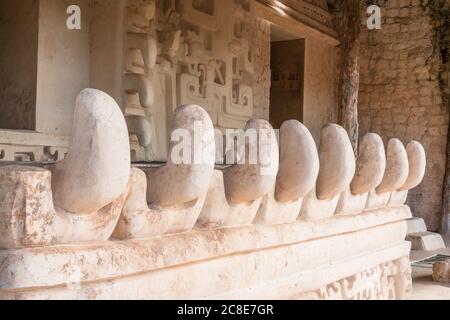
186 52
389 281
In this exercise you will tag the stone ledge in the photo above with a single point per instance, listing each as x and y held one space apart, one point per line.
53 266
250 275
426 241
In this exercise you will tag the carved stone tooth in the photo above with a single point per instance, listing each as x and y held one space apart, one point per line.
97 168
247 182
417 165
299 162
337 162
178 183
370 166
397 167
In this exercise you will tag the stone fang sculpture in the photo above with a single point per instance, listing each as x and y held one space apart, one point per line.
370 169
236 192
337 168
395 176
417 165
299 168
176 192
298 222
88 186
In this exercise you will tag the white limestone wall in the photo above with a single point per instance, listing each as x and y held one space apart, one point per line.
321 83
63 65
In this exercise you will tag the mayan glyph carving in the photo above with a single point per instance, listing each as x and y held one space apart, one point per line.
389 281
185 52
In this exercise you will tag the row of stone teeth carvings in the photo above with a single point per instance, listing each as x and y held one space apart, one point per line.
94 195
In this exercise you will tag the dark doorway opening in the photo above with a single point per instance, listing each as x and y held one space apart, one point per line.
287 64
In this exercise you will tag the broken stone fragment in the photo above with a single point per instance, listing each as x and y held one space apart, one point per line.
441 271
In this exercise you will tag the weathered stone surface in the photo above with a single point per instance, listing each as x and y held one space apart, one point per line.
337 162
400 94
299 162
26 207
119 269
426 241
250 181
416 225
97 169
417 165
370 166
397 167
441 272
337 168
188 179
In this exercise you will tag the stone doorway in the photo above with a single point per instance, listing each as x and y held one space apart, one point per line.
287 87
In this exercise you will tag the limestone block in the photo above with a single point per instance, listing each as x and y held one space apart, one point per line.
236 193
28 217
299 168
370 168
441 272
97 169
190 166
416 225
426 241
337 168
26 207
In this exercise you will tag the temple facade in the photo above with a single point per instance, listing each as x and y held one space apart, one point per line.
93 204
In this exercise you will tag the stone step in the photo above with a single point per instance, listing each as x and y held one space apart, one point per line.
426 241
416 225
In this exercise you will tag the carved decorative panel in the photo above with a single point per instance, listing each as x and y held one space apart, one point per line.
185 52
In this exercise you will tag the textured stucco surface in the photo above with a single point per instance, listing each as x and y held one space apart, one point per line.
63 65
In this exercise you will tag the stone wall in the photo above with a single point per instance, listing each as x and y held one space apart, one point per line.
400 95
18 69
